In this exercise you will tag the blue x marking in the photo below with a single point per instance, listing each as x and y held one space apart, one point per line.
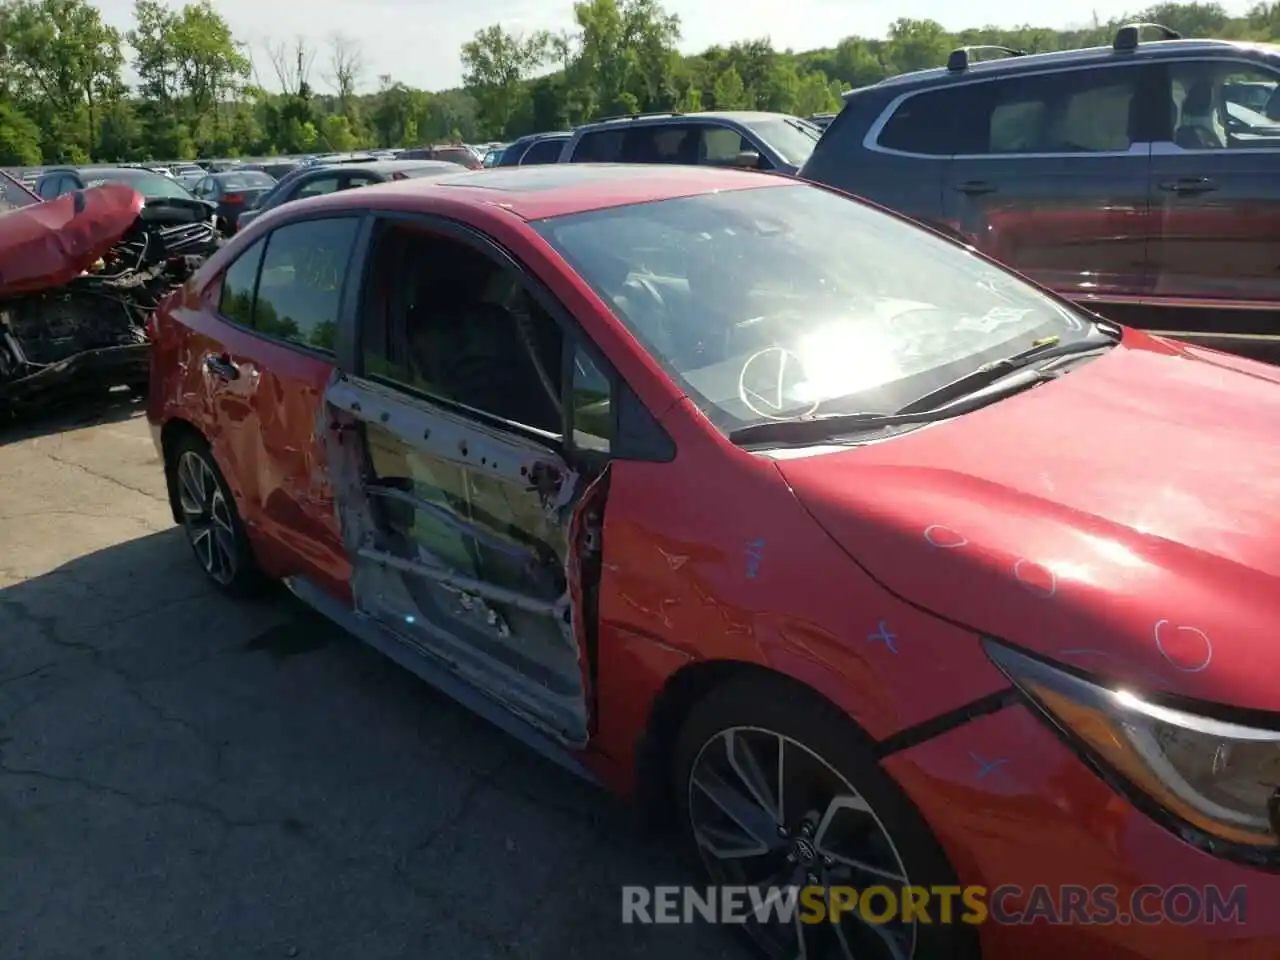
884 636
986 766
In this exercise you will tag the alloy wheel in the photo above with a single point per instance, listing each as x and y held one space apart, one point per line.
206 515
768 812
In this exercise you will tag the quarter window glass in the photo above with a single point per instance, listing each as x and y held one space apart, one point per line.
927 122
602 146
592 404
236 300
1224 106
301 285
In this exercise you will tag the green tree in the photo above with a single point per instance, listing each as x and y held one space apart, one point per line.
66 61
730 93
495 65
19 138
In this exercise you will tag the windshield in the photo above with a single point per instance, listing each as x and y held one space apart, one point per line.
248 180
152 186
793 138
13 195
782 302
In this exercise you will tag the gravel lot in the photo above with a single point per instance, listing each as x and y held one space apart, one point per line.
185 776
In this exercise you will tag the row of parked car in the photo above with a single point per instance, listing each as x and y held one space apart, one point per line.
1142 179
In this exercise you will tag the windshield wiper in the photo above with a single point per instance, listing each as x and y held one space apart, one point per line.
1013 374
809 430
1048 348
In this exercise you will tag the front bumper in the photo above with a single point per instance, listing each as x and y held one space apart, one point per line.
103 367
1016 809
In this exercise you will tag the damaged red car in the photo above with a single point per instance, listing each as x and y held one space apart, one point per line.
80 278
870 562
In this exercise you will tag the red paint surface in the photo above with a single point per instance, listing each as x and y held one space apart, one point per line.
1096 519
1041 817
48 244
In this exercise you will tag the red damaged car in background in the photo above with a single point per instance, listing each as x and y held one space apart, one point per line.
873 562
80 277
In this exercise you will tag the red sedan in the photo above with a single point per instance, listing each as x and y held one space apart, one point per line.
872 562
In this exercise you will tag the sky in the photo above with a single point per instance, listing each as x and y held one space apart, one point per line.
417 41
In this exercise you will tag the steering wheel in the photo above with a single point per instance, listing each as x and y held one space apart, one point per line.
762 382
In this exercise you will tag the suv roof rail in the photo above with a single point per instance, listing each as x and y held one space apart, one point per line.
639 116
1127 37
958 62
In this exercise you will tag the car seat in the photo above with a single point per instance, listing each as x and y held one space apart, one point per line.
1199 128
637 301
1272 109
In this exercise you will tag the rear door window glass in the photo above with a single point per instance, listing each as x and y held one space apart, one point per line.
664 143
236 299
600 146
300 289
318 187
544 151
1076 111
721 146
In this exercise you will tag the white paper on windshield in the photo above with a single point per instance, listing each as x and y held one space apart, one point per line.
993 319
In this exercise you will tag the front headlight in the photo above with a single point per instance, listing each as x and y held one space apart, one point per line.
1219 777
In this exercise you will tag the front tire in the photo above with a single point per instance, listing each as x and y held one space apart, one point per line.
777 788
211 521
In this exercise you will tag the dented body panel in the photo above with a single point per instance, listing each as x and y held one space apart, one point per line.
80 279
49 244
461 546
263 427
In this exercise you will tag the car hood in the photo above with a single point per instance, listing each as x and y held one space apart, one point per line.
1124 519
48 244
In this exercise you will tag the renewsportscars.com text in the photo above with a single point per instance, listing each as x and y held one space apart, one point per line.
1068 905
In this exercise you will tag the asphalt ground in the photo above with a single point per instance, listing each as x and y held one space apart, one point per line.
182 775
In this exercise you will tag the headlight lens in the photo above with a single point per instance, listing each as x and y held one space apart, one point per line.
1220 777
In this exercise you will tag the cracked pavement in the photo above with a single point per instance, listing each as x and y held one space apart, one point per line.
183 776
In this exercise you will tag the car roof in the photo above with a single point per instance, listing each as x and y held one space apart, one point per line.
1035 62
744 117
388 166
551 190
111 171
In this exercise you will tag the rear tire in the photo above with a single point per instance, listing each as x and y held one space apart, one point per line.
812 806
211 520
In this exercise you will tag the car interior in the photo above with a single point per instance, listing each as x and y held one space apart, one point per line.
462 328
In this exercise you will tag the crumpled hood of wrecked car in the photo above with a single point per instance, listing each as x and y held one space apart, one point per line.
49 244
1124 519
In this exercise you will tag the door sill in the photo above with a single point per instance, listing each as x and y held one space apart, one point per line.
425 667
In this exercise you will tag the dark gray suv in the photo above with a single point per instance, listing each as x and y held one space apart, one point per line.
757 141
1131 178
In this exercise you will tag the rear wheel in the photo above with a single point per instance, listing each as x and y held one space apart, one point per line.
777 790
211 521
